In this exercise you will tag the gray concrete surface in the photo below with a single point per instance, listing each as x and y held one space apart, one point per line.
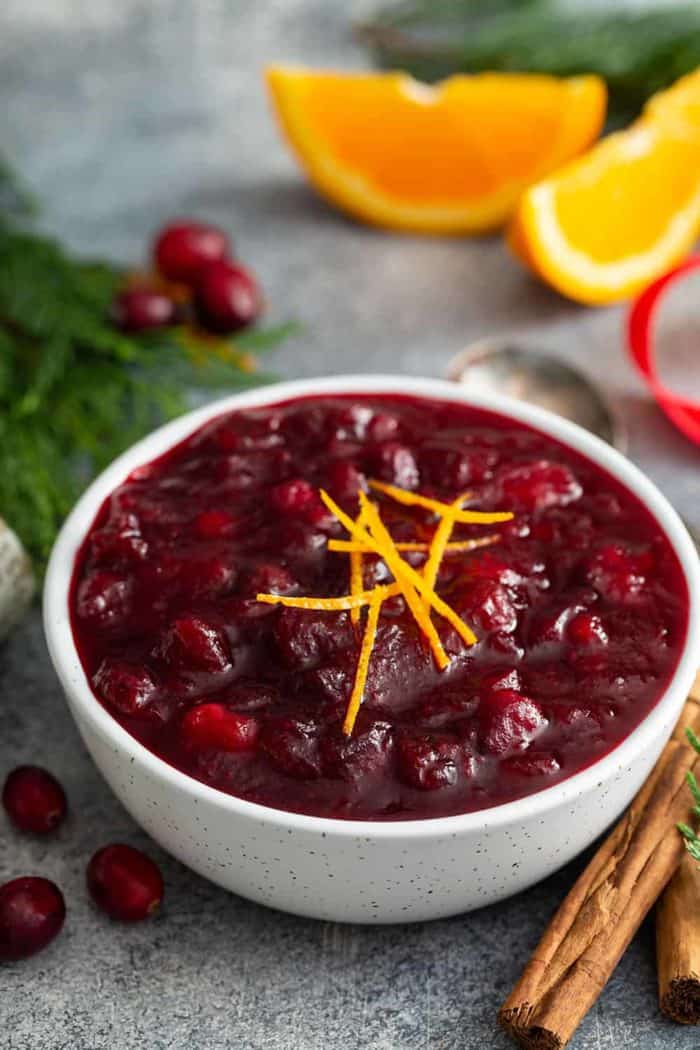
120 116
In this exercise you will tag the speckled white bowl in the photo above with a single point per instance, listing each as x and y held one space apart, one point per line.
361 871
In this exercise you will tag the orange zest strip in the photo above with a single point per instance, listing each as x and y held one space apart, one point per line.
396 565
352 546
356 576
439 543
368 640
466 517
347 601
401 568
382 544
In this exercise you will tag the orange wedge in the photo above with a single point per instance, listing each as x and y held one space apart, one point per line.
451 158
607 224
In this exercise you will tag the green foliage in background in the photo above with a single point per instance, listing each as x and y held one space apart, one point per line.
637 51
74 392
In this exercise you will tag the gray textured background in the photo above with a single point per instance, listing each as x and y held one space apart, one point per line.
121 115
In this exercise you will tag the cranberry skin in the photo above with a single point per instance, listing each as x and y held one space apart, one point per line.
429 763
183 249
125 883
587 629
192 643
395 464
294 497
226 298
292 746
214 726
34 800
537 486
213 524
127 687
32 912
508 722
143 309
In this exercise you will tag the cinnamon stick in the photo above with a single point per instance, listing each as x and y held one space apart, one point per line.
606 906
678 928
678 945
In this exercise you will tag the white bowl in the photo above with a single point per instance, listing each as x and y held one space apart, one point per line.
365 871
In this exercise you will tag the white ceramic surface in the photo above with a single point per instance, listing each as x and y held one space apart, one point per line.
361 871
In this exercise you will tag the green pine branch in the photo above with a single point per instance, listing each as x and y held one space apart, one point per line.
637 51
692 841
74 391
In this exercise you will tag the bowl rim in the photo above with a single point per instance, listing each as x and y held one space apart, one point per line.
66 662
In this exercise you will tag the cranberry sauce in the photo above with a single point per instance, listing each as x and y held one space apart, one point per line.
580 611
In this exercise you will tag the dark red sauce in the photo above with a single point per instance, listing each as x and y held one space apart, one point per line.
580 610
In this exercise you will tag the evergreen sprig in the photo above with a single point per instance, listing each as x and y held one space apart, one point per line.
692 841
637 51
74 391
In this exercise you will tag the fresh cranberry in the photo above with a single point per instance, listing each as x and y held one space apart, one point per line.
125 883
539 486
227 297
508 722
292 746
127 687
213 524
34 799
587 629
182 249
32 912
191 642
142 309
214 726
396 464
429 762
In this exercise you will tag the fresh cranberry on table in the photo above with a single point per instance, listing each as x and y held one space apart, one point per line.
143 309
34 799
32 912
182 249
125 883
226 298
212 725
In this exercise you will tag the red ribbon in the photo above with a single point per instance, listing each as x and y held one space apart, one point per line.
640 340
